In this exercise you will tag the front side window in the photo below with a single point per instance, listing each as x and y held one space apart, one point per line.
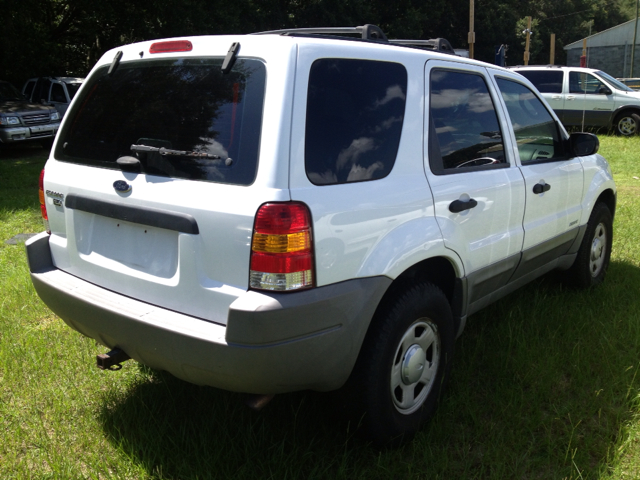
182 118
580 82
464 124
535 129
355 112
57 93
546 81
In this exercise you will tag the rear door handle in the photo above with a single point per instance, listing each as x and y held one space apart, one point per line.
458 206
541 188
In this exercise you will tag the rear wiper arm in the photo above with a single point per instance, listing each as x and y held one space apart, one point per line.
168 151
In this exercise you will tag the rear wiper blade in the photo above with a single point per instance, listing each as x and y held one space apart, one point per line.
168 151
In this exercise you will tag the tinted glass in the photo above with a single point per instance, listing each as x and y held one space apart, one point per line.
615 82
57 93
185 117
72 89
465 123
580 82
535 129
546 81
355 111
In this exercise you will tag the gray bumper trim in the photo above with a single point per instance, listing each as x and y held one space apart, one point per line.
273 343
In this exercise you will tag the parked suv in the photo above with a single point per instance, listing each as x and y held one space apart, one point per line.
294 210
584 96
55 91
22 121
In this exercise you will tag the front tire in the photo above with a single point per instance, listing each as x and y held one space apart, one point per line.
594 255
627 124
404 364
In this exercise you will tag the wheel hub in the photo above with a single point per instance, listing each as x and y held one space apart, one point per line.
596 249
413 364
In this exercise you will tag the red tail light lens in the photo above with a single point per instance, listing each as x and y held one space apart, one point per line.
171 46
43 207
281 249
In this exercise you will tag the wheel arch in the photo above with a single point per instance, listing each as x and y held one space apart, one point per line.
442 273
608 197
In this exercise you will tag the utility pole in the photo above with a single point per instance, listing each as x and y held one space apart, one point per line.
633 45
472 34
552 56
526 45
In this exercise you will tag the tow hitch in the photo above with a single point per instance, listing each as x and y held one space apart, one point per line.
112 360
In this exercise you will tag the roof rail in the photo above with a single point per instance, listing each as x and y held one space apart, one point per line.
435 44
367 32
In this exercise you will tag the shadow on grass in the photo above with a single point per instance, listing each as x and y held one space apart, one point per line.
542 388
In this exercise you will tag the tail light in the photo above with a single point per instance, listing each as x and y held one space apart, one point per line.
43 207
281 250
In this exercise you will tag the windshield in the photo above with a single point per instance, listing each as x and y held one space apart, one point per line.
616 83
8 92
73 88
181 118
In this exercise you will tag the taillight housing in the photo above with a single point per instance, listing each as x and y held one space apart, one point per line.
281 248
43 206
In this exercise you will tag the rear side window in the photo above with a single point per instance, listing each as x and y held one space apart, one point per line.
355 111
544 80
181 118
465 132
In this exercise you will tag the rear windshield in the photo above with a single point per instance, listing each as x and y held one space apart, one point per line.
181 118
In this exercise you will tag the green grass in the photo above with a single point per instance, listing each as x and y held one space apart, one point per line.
546 385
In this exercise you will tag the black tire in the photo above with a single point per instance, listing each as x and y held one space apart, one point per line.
390 394
627 124
592 261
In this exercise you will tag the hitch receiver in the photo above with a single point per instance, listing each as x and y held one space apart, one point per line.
112 360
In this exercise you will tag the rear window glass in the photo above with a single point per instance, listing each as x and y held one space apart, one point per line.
545 81
181 118
355 111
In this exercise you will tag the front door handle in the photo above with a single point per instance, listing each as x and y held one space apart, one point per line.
541 188
458 206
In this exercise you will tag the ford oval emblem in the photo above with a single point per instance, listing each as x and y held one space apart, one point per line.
121 186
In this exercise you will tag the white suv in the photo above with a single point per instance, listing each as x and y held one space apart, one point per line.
295 210
587 97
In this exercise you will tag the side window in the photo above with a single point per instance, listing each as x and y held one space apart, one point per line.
57 93
580 82
535 129
355 111
464 128
29 88
546 81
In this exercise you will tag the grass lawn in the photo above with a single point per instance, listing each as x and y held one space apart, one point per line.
546 385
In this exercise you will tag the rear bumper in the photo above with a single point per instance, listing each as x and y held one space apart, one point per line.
273 343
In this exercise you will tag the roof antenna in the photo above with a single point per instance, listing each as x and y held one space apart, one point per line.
231 57
115 63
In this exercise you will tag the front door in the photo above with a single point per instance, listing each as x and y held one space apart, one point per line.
477 187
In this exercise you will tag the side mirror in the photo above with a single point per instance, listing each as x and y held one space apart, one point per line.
605 90
583 144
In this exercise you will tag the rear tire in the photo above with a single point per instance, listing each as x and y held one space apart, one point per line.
403 365
592 261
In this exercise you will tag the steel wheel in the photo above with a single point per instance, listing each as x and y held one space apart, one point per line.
598 250
415 366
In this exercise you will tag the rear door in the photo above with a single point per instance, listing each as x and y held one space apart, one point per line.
477 187
553 180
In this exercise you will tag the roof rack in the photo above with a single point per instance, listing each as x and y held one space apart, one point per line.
435 44
367 32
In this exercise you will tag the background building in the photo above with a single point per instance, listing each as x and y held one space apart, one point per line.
609 50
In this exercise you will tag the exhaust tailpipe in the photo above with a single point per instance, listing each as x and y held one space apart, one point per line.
112 360
258 402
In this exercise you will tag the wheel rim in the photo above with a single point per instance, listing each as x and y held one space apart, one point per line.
598 250
415 365
627 125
